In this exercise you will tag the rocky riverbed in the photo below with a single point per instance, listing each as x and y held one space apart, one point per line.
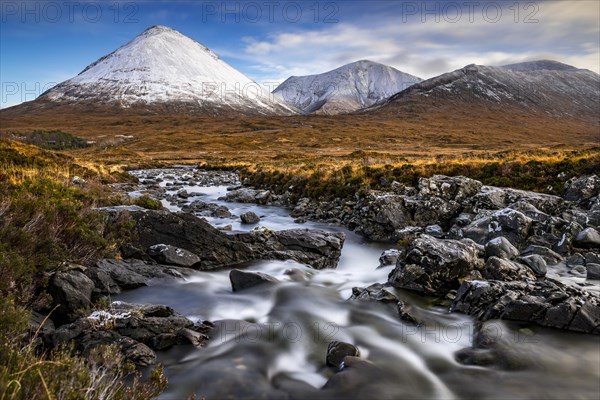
436 291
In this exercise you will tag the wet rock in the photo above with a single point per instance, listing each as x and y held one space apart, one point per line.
550 256
592 258
241 280
456 188
406 235
536 263
593 271
389 257
588 238
504 270
134 351
435 266
380 214
217 249
474 356
575 259
112 276
338 351
582 189
375 292
500 247
247 195
249 218
207 209
171 255
71 291
547 303
434 230
511 224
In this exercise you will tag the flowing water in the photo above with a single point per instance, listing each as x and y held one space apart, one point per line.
270 341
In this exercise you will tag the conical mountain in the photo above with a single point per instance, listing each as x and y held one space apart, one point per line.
162 69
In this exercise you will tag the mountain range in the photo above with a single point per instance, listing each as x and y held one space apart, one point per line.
162 71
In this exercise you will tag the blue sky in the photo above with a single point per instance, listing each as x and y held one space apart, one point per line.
45 42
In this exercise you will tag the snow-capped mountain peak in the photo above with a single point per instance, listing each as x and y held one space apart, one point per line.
345 89
161 66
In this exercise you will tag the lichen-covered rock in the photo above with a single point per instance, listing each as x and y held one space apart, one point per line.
504 270
436 266
171 255
547 303
509 223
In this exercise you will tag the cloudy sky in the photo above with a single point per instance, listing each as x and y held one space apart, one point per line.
45 42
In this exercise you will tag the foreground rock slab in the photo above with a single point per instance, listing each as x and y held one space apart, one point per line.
547 303
216 249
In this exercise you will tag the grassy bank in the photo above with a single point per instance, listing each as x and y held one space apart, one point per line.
47 219
539 171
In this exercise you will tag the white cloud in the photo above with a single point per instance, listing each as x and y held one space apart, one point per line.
565 31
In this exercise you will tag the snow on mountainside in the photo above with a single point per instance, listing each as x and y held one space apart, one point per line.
545 87
348 88
164 67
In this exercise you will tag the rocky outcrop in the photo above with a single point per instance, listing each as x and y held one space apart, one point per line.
216 249
435 266
71 293
547 303
135 329
171 255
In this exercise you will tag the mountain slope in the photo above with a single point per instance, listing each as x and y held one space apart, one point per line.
540 87
345 89
161 69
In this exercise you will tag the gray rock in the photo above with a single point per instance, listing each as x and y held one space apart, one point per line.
375 292
171 255
581 189
247 195
250 218
592 258
547 303
536 263
435 266
512 224
588 238
380 214
434 230
72 292
547 254
593 271
504 270
575 259
456 188
241 280
217 249
501 247
132 350
389 257
338 351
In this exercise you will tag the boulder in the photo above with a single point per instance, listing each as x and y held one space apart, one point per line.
247 195
504 270
380 214
217 249
501 247
241 280
536 263
593 271
249 218
436 266
171 255
551 257
589 238
547 303
375 292
512 224
582 189
389 257
456 188
338 351
71 291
